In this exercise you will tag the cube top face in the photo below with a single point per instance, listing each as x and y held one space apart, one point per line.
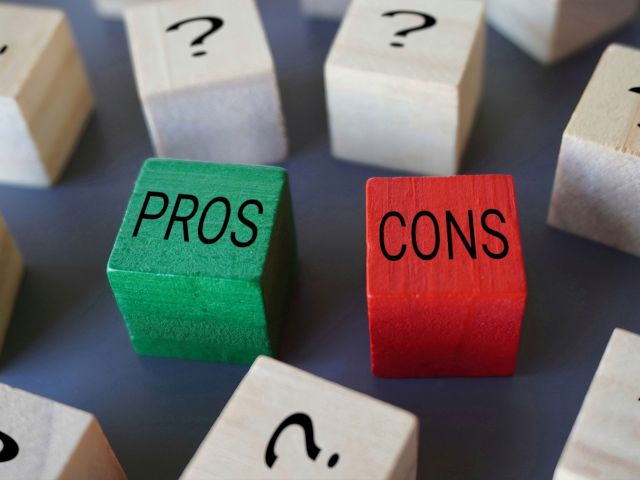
358 437
228 213
46 433
447 236
26 32
430 55
191 43
608 112
604 442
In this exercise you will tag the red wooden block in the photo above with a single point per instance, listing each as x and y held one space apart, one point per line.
445 276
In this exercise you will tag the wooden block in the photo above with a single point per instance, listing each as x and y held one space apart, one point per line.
597 184
208 86
348 435
204 260
114 9
45 440
325 8
552 30
11 272
45 99
408 107
446 285
604 442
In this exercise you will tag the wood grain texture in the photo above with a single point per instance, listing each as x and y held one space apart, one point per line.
408 108
605 441
45 99
332 9
373 440
597 185
182 296
552 30
56 442
11 273
446 285
221 106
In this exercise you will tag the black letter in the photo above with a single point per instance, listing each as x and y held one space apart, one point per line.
436 242
469 245
248 223
387 216
227 205
498 235
153 216
184 219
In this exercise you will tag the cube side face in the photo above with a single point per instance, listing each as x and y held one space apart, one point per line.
11 273
604 441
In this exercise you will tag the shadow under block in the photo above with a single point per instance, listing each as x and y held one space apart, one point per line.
204 260
11 272
325 8
605 441
45 99
596 192
54 441
407 108
213 101
358 437
446 286
552 30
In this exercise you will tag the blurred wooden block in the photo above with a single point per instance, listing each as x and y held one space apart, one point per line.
213 97
325 8
45 98
605 440
50 441
114 9
11 272
406 102
552 30
265 423
597 186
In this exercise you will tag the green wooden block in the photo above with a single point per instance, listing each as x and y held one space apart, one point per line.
203 263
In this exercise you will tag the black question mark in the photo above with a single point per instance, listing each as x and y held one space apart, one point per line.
428 21
10 448
635 90
3 49
303 420
216 24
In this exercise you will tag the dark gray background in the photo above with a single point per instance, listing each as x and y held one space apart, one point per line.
67 340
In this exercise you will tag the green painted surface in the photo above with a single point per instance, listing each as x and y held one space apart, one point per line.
184 298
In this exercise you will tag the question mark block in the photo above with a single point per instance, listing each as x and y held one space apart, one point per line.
408 107
330 9
114 9
54 441
204 260
11 273
45 99
282 422
551 31
446 286
596 192
604 442
207 81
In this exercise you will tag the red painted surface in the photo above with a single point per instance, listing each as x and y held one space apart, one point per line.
436 315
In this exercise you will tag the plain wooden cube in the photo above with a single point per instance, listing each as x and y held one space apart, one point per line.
358 437
114 9
215 101
605 442
551 30
11 272
45 99
325 8
597 186
53 441
408 108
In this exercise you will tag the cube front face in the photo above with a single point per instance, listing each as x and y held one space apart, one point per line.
203 262
604 441
45 99
216 100
258 434
407 107
595 193
445 277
